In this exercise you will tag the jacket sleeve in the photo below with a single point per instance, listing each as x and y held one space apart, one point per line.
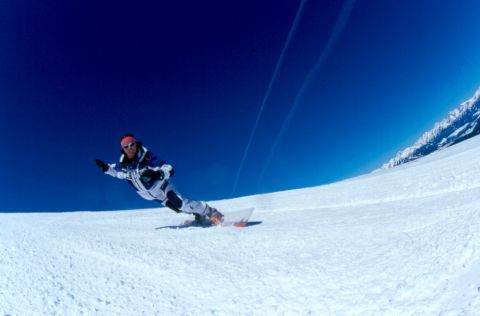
116 172
157 165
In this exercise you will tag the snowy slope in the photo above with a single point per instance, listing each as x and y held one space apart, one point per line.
403 241
460 124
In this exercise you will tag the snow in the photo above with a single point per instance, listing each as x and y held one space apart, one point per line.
459 130
402 241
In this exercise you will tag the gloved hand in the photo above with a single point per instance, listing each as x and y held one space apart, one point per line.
152 175
103 166
167 170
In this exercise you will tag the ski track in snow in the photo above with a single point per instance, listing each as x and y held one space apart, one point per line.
403 241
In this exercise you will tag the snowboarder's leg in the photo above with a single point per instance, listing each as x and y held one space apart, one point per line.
173 202
186 205
197 208
170 206
200 209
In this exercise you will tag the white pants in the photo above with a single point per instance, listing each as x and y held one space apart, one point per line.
165 192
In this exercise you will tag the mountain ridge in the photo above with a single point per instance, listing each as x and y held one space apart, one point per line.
460 124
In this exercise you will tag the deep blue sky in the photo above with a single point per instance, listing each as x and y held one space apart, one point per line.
188 78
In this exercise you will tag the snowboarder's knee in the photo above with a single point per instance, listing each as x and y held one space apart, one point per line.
174 201
172 207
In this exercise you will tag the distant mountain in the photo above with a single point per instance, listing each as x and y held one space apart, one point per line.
460 124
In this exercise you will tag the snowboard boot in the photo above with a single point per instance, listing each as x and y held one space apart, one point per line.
200 220
216 218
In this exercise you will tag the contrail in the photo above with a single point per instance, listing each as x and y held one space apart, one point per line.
337 30
269 89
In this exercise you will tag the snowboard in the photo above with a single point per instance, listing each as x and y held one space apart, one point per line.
237 218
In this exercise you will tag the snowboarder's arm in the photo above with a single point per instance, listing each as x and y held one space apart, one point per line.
163 172
116 172
162 169
110 169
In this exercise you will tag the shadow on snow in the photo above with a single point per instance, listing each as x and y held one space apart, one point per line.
249 224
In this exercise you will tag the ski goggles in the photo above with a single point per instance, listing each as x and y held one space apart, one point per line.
126 146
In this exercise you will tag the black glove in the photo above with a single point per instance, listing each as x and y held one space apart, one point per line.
103 166
151 175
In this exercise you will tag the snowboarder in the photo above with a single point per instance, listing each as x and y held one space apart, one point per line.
151 179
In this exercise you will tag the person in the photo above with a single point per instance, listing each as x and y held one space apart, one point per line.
151 178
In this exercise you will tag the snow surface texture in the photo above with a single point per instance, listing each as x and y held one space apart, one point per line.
460 124
403 241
